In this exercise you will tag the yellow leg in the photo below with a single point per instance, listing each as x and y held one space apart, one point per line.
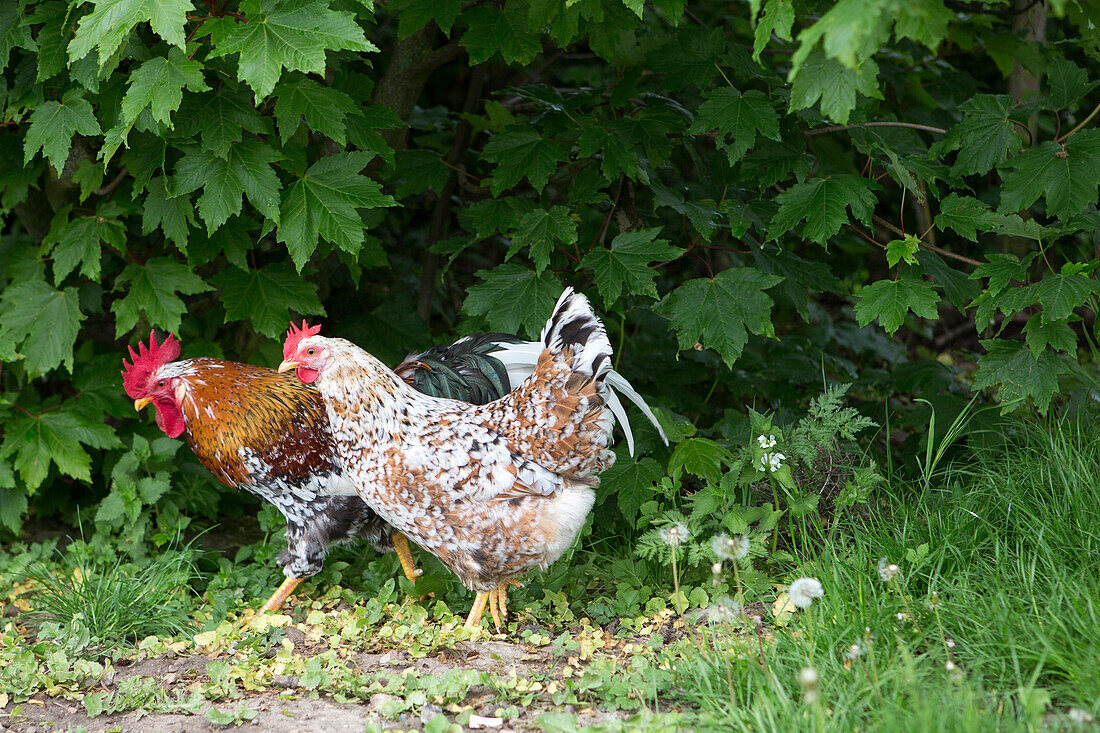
474 619
278 598
401 545
502 596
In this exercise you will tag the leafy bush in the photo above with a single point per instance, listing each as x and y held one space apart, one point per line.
743 188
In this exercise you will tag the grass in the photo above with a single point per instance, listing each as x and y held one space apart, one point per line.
1007 541
992 622
111 602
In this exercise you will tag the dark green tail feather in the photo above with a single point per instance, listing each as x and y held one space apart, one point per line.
465 370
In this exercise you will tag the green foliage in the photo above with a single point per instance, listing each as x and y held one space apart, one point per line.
755 223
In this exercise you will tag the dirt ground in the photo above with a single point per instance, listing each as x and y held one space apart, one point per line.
293 710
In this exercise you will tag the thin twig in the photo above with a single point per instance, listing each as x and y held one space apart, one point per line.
105 190
909 125
931 247
1081 124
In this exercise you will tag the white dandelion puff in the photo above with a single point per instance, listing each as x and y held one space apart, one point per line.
730 548
854 652
716 569
803 592
949 643
1079 716
950 666
725 610
887 570
807 677
675 535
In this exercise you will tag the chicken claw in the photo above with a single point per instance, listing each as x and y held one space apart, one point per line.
497 600
401 546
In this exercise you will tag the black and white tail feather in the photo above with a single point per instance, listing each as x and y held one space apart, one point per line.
573 322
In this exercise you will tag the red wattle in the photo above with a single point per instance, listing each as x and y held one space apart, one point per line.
307 375
169 418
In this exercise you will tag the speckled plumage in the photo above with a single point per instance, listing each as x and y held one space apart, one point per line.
492 490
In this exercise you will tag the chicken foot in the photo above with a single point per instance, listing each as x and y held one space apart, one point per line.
497 600
401 547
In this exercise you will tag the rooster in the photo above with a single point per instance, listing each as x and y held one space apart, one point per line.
266 432
491 490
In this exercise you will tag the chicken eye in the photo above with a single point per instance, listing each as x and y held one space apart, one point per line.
311 352
160 383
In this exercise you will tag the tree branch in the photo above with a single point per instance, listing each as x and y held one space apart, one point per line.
839 128
930 247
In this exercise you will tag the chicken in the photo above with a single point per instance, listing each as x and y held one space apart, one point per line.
266 432
491 490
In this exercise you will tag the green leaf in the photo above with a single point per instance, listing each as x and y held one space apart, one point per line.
511 296
246 170
290 34
43 320
324 203
173 214
157 86
1068 83
616 143
494 216
738 118
266 297
957 286
889 301
631 483
817 207
699 456
151 289
79 241
108 25
1068 178
53 124
1040 333
418 171
967 216
57 437
541 231
985 137
222 117
490 31
520 153
835 85
1013 368
1001 269
778 18
925 21
14 32
1060 294
903 250
412 15
624 266
325 109
718 313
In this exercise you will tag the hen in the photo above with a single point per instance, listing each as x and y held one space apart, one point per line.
491 490
266 432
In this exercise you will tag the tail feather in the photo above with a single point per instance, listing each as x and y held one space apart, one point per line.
520 358
574 326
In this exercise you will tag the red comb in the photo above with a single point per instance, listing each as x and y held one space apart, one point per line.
295 335
146 360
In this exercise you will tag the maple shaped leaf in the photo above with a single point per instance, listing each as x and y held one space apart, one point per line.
220 117
57 437
967 216
111 21
244 171
1067 176
267 297
521 153
816 208
325 202
506 31
511 296
42 322
53 124
836 86
624 266
325 109
173 214
890 301
985 137
1018 374
719 312
80 240
738 118
540 231
289 34
151 288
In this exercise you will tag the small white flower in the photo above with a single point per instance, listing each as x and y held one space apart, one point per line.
716 569
765 441
762 463
730 548
901 616
675 535
934 602
950 643
775 461
725 610
808 678
1079 716
803 592
887 570
950 666
854 652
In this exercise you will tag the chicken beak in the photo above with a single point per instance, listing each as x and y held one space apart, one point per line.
287 365
140 404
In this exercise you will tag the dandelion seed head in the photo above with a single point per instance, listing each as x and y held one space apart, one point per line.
723 611
1079 716
807 677
716 569
730 548
934 602
949 642
887 570
950 666
804 590
675 534
854 652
